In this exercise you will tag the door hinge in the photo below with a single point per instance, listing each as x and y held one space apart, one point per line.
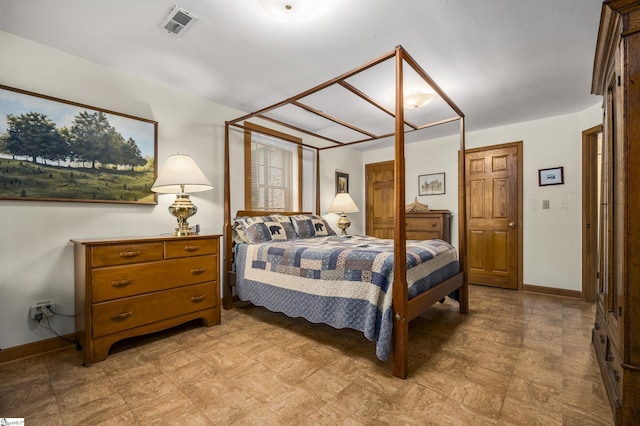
598 275
619 81
619 311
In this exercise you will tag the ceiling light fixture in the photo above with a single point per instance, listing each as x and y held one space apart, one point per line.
290 9
418 99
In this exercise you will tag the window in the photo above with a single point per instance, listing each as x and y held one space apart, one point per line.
273 168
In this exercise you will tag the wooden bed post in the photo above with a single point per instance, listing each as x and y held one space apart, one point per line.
400 353
226 263
317 181
462 225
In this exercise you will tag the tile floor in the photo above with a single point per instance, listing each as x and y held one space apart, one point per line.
516 359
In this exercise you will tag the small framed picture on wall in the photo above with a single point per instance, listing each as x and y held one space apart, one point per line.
342 182
552 176
432 184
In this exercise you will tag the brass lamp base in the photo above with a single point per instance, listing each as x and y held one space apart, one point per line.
343 223
182 208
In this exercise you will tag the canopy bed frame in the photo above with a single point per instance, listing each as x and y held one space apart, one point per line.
404 310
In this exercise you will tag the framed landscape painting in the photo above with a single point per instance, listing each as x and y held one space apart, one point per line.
56 150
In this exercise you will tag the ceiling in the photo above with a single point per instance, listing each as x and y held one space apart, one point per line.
500 61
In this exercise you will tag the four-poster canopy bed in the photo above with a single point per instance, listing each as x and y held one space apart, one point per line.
405 305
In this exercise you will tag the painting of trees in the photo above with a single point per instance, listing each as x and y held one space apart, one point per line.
57 150
34 135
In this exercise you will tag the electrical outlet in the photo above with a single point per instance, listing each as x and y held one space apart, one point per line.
42 308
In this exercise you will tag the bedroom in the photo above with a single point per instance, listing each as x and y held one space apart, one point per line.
43 271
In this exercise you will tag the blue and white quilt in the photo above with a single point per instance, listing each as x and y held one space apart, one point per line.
342 281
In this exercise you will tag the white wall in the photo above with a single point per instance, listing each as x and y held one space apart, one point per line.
552 238
345 160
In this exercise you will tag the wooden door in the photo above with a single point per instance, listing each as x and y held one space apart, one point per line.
379 199
493 179
591 154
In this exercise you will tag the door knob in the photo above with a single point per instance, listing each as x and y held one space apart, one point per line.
512 225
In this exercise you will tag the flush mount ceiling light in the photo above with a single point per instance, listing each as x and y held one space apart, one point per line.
418 99
178 21
290 9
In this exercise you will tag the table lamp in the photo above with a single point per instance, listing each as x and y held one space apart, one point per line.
343 203
181 175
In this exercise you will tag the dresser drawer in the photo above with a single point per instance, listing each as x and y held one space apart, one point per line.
600 340
122 254
199 247
423 235
431 224
129 280
123 314
614 370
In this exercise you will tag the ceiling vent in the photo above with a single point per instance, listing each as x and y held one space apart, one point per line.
178 21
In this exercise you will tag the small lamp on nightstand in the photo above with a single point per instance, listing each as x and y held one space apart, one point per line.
343 203
181 175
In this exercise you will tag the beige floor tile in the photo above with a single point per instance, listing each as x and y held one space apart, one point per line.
516 359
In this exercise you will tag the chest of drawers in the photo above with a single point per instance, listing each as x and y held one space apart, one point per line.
134 286
427 226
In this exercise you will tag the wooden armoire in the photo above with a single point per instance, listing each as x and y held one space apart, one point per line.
616 333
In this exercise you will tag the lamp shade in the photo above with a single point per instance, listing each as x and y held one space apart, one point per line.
343 203
181 174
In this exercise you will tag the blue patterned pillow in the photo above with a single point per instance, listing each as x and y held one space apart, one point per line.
311 225
260 229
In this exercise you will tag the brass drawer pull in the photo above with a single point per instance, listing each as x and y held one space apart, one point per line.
122 316
130 253
434 224
198 271
196 299
191 248
121 283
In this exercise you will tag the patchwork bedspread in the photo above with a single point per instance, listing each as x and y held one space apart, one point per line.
342 281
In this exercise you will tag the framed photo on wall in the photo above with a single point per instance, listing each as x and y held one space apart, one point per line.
342 182
431 184
57 150
552 176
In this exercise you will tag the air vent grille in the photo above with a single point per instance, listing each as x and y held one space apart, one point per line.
178 21
182 18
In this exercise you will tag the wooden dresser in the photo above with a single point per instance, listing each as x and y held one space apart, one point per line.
616 333
427 226
134 286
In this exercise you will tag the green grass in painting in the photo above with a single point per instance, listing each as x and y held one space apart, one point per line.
24 179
